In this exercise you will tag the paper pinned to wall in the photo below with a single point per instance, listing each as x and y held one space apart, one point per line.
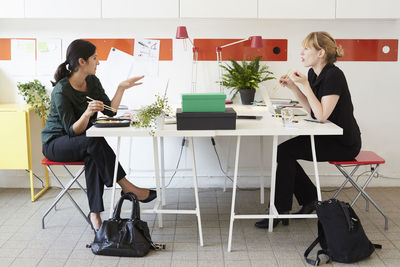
146 56
23 55
114 70
49 56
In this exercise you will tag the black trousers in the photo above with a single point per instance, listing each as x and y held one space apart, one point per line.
290 176
99 161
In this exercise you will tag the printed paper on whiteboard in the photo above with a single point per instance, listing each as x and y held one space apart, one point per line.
23 57
114 70
48 56
146 55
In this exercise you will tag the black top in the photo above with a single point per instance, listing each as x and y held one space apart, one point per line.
68 105
331 81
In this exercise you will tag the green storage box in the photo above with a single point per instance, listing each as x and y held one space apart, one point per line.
210 102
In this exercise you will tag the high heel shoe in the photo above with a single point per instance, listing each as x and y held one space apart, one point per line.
307 208
264 223
90 221
151 197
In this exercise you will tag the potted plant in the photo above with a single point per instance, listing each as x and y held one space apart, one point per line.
36 96
245 78
153 115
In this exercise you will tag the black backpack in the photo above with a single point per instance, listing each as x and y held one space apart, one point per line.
340 234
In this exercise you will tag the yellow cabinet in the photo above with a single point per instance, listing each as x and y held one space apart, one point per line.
15 141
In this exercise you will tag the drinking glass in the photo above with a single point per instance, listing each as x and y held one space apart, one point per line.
287 117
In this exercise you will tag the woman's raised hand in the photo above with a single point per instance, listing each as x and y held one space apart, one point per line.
299 77
130 82
285 81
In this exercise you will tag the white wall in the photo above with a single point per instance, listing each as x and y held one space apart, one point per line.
374 86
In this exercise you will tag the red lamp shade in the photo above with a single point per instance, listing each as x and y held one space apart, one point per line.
256 41
181 32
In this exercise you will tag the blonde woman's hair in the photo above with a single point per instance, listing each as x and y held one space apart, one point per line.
323 40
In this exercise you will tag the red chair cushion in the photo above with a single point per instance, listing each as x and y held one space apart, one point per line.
363 158
49 162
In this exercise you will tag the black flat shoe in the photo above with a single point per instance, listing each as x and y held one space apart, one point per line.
151 197
264 223
307 208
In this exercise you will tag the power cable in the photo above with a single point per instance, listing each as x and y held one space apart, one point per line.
37 177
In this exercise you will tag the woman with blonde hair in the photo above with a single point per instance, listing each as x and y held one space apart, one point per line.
325 95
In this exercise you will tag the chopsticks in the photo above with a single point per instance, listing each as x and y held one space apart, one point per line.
277 85
105 106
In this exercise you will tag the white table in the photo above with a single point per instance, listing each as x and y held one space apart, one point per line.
268 126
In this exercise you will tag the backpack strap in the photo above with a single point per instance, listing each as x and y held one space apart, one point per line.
317 261
308 250
377 246
346 212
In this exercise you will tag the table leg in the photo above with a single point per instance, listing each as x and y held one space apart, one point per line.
196 191
261 170
130 157
234 193
115 177
314 155
228 156
162 171
273 179
157 176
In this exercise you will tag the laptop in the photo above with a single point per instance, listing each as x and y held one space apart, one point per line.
276 111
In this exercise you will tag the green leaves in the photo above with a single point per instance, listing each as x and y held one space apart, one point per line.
247 75
35 95
148 114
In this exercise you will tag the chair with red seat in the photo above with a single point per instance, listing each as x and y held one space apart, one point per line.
363 158
48 164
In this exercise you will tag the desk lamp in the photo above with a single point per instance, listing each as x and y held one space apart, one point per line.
256 42
181 33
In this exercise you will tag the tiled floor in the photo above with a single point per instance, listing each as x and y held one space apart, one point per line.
63 242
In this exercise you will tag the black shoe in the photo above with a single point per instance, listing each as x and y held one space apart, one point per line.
151 197
264 223
90 222
307 208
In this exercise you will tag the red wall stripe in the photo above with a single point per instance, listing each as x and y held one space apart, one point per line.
273 49
368 49
5 49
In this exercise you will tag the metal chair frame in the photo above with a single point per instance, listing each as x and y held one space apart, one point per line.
361 189
65 189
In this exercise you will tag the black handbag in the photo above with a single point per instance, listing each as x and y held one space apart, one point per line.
124 237
340 234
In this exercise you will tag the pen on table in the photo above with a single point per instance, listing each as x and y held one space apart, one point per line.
312 120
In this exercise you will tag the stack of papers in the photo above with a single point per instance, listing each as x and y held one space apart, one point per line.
283 101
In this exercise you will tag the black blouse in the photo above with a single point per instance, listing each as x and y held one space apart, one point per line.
331 81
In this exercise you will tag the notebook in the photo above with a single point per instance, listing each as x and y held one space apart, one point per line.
275 111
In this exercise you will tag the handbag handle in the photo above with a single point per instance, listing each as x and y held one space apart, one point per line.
135 214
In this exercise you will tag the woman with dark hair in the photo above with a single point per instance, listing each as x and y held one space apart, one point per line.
325 95
64 135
